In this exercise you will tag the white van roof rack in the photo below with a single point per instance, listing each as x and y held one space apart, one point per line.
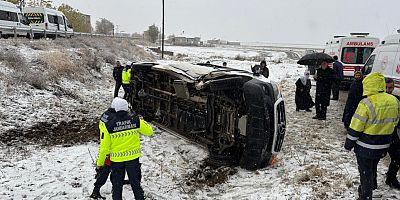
338 36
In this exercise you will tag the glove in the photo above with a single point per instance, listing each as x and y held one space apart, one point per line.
98 169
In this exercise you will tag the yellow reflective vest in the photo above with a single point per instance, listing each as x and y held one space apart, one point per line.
120 138
126 76
374 120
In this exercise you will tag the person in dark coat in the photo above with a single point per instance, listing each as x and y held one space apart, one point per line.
264 69
338 69
303 98
394 149
117 74
354 97
324 78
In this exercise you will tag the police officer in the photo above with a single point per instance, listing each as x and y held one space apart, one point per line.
120 138
102 175
394 150
117 74
370 131
126 80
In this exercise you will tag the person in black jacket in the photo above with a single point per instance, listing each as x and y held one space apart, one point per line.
354 97
324 78
394 150
338 69
117 74
303 98
264 69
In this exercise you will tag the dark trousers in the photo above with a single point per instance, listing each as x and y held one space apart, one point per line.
367 169
102 178
116 89
127 90
320 109
335 89
394 162
133 170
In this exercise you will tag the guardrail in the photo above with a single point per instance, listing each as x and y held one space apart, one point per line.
34 33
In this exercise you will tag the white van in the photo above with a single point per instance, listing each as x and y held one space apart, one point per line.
386 59
352 51
11 19
53 21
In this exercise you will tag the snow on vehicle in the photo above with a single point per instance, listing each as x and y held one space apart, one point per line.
239 116
386 59
353 51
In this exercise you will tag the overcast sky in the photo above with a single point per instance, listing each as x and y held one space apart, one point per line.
270 21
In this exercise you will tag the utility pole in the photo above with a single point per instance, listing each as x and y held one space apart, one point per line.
162 34
21 4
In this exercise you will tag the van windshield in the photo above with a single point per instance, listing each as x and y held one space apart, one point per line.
35 18
356 55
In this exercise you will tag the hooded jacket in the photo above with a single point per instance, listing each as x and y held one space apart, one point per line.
373 123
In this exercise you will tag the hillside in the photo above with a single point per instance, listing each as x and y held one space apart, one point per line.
51 87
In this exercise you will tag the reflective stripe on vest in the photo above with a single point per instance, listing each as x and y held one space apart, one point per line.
123 134
375 121
373 114
352 137
371 108
373 146
126 153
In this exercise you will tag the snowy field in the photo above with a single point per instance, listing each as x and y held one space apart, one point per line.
312 165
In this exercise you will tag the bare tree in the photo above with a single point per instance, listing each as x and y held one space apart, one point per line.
104 26
79 21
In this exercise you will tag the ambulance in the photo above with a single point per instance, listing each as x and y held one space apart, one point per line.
352 51
386 60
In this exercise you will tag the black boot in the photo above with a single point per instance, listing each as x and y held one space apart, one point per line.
96 194
308 110
392 182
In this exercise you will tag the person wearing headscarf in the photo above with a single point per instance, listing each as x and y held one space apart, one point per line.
303 98
353 98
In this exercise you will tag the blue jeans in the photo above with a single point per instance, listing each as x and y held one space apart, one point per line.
133 170
102 178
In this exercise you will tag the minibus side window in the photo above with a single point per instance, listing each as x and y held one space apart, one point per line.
13 17
52 19
8 16
60 20
3 15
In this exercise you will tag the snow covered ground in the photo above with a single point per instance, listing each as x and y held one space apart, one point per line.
312 165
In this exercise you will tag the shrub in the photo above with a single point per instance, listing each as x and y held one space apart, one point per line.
58 64
12 57
239 57
109 58
38 44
